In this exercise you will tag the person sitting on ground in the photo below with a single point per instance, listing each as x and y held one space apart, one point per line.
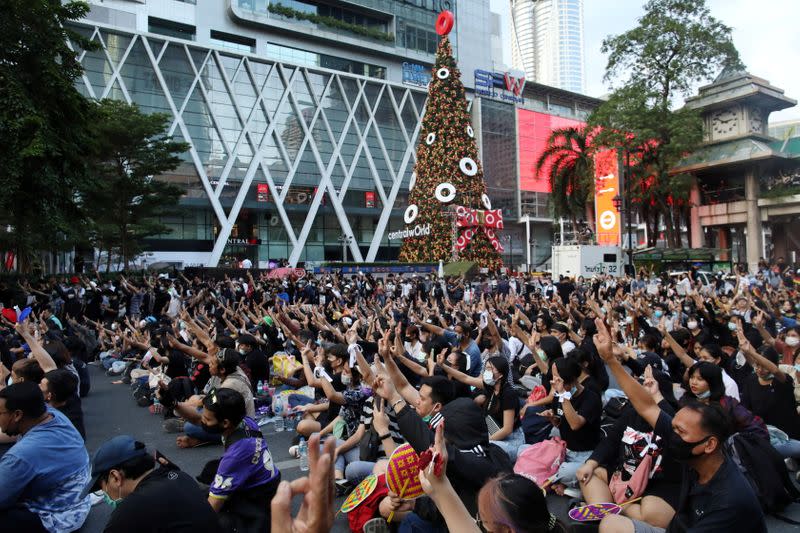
507 503
622 453
43 475
145 498
246 478
576 412
60 389
715 495
226 374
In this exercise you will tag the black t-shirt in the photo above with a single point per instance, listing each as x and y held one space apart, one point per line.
774 403
725 503
178 365
258 363
496 405
165 500
589 406
72 409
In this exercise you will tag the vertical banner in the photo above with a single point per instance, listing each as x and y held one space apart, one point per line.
606 183
262 192
369 199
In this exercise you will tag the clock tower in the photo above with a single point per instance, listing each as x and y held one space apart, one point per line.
736 152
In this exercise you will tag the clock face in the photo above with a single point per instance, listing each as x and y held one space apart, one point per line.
756 121
724 122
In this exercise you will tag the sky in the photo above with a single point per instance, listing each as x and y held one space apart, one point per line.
764 31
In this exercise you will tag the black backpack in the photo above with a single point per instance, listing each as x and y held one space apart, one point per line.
766 472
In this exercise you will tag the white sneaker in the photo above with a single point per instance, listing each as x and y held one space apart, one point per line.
294 451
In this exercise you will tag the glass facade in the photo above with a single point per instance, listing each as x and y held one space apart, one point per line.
288 54
498 137
284 159
410 22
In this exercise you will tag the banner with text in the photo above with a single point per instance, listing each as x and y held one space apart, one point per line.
606 183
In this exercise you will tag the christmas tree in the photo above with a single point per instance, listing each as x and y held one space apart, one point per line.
447 191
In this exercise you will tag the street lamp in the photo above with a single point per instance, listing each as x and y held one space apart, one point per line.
345 240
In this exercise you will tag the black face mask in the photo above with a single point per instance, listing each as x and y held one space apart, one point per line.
682 450
216 429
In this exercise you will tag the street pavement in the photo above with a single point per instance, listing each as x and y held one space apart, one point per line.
110 410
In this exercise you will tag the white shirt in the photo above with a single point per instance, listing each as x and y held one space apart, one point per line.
246 263
567 346
415 350
731 388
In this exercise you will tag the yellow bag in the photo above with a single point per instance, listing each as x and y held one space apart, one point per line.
283 365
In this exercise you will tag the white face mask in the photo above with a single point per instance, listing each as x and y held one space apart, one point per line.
345 379
629 320
792 341
692 324
488 377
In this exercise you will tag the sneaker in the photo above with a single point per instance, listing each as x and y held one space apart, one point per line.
294 451
174 425
376 525
572 493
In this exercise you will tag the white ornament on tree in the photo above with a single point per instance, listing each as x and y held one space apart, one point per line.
445 192
411 214
429 140
486 202
470 131
443 73
468 166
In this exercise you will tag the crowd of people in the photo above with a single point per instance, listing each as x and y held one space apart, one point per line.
675 397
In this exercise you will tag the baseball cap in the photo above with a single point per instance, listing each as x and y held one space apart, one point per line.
268 320
111 454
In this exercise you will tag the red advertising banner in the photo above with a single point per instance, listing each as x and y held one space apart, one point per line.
369 198
262 192
606 183
534 130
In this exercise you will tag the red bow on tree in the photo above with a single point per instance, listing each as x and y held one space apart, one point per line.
473 220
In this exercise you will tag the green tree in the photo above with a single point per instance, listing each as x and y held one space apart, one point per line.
676 45
568 161
43 127
126 198
447 154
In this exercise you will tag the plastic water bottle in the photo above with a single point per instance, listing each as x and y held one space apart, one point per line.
279 422
302 449
260 388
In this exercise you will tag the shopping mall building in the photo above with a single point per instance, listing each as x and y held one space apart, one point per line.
303 117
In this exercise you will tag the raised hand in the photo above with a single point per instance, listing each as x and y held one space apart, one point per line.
603 342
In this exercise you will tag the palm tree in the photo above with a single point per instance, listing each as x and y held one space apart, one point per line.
568 161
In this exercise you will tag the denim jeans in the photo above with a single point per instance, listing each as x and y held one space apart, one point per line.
350 456
412 523
569 468
197 432
512 443
789 449
358 470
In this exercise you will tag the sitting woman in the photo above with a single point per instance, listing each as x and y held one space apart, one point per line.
576 414
620 456
346 427
499 402
508 503
769 393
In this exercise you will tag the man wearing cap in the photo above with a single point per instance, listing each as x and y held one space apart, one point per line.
43 475
246 478
146 498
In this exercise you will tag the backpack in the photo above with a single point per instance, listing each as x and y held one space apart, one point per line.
536 428
542 460
765 470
